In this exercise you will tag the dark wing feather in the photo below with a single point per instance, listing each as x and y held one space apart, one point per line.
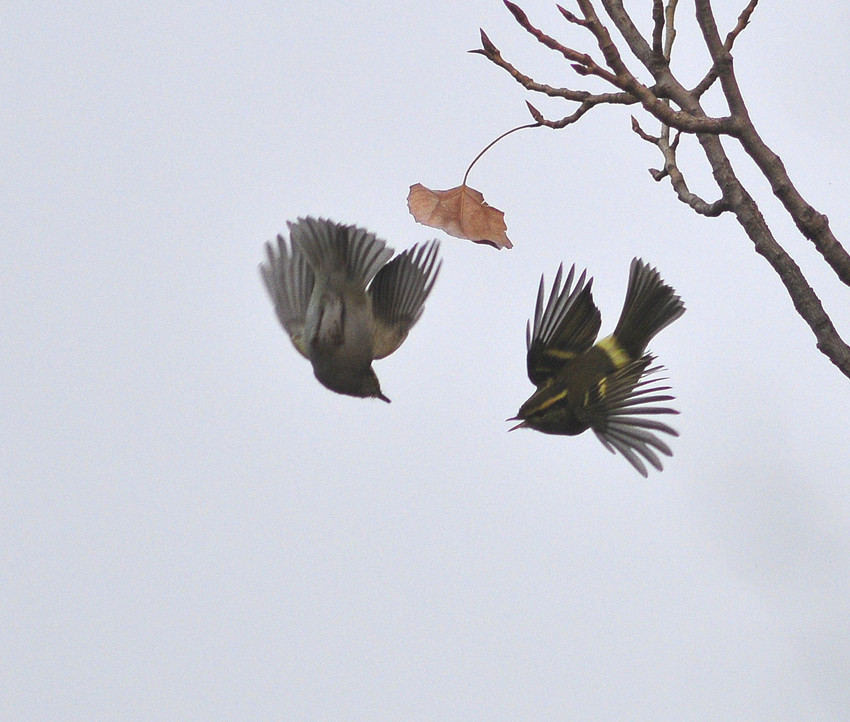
566 328
617 414
398 294
650 306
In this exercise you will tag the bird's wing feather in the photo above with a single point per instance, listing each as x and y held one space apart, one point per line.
289 281
566 328
617 411
398 293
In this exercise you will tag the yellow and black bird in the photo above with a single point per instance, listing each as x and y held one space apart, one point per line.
608 386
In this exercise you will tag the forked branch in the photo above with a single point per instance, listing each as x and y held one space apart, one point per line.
679 109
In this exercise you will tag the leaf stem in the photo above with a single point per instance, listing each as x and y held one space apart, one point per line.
492 143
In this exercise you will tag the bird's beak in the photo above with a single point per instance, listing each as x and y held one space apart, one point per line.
519 425
382 398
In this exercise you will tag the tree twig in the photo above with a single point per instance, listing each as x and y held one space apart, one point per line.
677 180
812 224
688 116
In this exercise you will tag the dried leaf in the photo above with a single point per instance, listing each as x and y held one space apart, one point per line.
461 212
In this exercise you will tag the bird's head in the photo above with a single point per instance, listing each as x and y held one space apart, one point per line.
370 386
362 382
548 410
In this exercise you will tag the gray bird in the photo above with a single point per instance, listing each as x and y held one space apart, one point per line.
343 302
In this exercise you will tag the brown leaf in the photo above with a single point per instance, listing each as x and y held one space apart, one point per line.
461 212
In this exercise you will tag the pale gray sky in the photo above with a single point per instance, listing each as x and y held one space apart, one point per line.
191 527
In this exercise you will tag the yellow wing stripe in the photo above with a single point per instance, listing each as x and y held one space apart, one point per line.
558 353
551 400
618 355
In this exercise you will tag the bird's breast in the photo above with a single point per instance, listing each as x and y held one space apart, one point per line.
340 326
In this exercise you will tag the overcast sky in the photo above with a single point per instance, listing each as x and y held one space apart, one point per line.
193 528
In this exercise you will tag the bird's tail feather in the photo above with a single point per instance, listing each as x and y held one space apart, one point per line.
335 250
650 306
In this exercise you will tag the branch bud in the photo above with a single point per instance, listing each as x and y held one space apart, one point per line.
536 114
517 12
487 44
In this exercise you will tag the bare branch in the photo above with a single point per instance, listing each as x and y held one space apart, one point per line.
805 300
671 30
812 224
643 134
681 120
583 59
622 78
492 53
678 108
563 122
572 18
711 76
677 180
743 21
658 27
636 42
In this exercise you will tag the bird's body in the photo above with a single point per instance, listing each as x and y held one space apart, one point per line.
340 333
343 302
604 386
573 383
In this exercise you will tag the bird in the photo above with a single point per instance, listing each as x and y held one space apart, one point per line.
343 302
610 386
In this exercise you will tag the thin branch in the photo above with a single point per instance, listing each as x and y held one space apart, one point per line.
572 18
658 27
805 300
670 12
621 79
711 76
563 122
812 224
589 65
642 134
492 53
669 38
626 27
681 120
677 180
743 21
689 116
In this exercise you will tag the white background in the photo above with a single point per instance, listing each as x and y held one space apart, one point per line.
193 528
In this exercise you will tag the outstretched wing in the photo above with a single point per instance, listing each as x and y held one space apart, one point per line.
618 409
398 293
565 329
289 281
